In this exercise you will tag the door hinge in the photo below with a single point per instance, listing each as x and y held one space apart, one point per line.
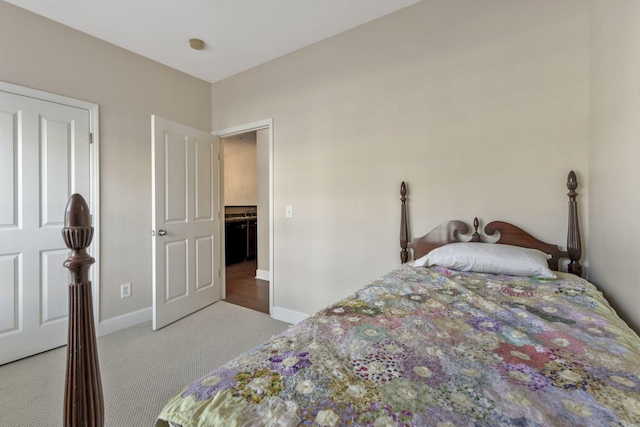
90 138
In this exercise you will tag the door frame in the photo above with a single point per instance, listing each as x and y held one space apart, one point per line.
235 130
94 176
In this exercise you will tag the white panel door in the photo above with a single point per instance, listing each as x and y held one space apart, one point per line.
44 159
186 240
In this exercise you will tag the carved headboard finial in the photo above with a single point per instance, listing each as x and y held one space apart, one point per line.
476 236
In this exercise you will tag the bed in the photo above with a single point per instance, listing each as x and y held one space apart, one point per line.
463 335
430 344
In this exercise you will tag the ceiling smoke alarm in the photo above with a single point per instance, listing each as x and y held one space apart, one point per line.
196 44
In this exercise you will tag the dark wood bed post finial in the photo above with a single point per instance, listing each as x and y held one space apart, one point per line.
574 246
475 237
404 231
83 401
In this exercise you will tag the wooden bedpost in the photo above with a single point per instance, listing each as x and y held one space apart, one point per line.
404 231
574 246
83 401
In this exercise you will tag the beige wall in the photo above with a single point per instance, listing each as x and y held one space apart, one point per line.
41 54
482 107
240 171
614 153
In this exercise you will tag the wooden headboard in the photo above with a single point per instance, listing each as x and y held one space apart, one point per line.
506 233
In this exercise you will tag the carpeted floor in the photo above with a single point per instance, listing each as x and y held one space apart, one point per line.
141 369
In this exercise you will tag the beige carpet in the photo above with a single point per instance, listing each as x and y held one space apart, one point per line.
141 369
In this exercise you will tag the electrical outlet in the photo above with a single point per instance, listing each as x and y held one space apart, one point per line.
125 290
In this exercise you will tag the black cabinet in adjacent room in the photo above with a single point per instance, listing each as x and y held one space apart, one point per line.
235 241
252 239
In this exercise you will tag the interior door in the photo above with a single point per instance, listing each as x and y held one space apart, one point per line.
44 159
186 239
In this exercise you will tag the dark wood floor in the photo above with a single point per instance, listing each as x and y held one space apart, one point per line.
244 289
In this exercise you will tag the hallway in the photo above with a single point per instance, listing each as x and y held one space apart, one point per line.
244 289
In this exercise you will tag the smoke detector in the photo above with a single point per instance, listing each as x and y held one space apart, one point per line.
196 44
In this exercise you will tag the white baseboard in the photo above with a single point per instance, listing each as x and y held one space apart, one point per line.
126 320
135 318
288 316
263 275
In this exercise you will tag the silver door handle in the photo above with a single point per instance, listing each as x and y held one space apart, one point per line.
162 232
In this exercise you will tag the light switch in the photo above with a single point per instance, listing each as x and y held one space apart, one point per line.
289 211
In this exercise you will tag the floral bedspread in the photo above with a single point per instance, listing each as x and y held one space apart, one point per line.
434 347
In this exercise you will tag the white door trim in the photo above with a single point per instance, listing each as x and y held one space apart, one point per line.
249 127
94 185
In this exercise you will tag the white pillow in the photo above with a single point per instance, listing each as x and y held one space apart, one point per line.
489 258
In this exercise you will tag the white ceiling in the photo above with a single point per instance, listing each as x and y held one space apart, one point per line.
239 34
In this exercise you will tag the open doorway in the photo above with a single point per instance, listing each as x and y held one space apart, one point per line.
245 160
247 278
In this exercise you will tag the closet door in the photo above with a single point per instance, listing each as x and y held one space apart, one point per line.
45 159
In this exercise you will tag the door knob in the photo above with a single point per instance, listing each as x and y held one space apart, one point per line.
162 232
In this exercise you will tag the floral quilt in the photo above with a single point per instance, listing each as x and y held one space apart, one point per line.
434 347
